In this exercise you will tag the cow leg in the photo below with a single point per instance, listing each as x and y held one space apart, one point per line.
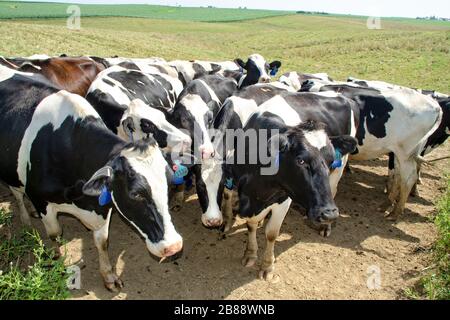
53 228
251 252
111 280
178 198
24 215
51 224
227 210
406 180
348 169
391 167
272 231
415 191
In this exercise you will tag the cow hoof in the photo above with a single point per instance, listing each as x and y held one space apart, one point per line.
325 231
113 283
175 208
391 215
248 262
34 214
269 276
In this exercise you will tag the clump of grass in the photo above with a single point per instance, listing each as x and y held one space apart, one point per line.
436 284
5 218
29 271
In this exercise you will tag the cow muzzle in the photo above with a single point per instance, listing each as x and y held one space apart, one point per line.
264 79
328 214
212 222
207 152
172 249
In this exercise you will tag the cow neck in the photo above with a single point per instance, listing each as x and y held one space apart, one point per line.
97 146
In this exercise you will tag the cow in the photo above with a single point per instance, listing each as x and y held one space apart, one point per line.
150 65
208 174
114 90
257 70
197 105
397 120
437 138
295 79
194 112
59 153
335 110
72 74
302 154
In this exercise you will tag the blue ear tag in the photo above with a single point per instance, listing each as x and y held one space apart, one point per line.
105 197
180 172
274 71
229 183
337 163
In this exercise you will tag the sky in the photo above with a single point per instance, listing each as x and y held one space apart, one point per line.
382 8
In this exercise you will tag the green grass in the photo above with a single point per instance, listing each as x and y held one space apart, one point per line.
435 285
5 218
404 52
16 10
29 271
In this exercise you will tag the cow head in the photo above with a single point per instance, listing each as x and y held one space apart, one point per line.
258 70
141 120
135 181
304 156
192 114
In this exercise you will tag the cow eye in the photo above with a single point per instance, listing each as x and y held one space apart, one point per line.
184 123
300 161
135 195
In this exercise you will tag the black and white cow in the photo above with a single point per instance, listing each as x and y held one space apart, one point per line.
197 105
257 70
209 175
332 109
437 138
194 112
397 120
58 151
302 155
295 79
114 95
441 134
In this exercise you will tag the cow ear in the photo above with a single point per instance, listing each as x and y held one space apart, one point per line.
215 68
345 144
275 64
240 63
100 179
278 143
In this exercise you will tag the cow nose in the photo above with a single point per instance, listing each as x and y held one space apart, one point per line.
265 79
172 249
207 152
212 222
329 214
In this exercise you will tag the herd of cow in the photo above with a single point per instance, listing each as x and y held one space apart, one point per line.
89 135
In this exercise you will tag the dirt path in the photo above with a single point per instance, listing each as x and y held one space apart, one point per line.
310 267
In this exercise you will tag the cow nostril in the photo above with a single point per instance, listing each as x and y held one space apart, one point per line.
330 214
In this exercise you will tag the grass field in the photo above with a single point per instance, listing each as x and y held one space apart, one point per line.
16 10
404 52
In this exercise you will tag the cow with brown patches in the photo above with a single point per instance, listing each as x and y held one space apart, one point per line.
69 73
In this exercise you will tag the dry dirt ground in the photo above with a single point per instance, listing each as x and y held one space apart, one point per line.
309 266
